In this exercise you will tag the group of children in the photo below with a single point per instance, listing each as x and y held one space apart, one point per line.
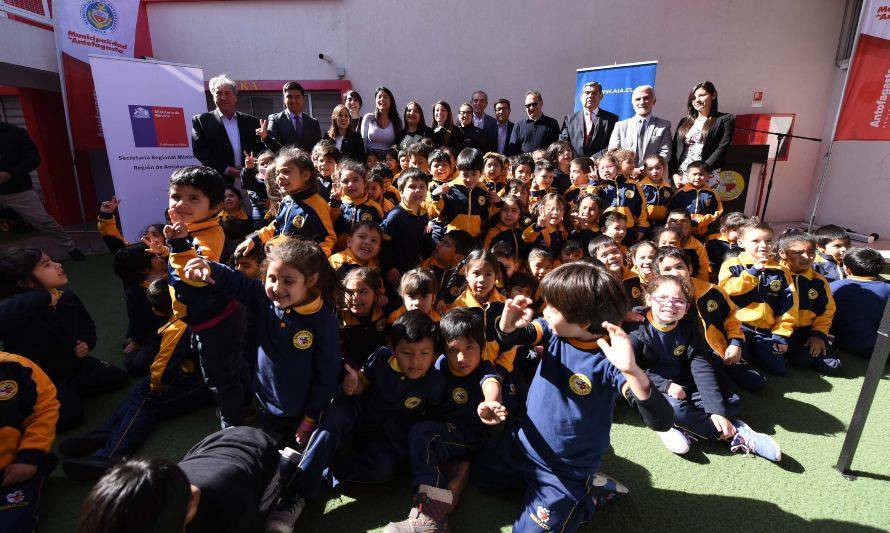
454 317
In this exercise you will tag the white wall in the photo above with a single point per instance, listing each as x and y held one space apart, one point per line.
27 46
428 50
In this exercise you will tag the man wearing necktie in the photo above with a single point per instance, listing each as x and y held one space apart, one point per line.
643 133
590 128
291 126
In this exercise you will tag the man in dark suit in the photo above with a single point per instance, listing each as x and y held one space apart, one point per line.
220 137
590 128
292 126
538 130
483 121
504 128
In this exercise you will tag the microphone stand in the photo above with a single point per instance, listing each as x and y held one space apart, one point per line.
780 141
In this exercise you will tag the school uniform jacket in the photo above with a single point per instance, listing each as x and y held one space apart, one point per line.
494 350
196 302
403 238
298 360
462 209
657 197
718 316
361 336
550 238
46 334
512 236
29 411
301 215
625 197
766 298
346 213
462 395
174 355
703 205
816 304
391 395
236 226
345 261
110 233
828 267
717 248
698 258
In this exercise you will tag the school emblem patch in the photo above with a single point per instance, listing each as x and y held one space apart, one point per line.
711 306
298 221
580 384
460 396
775 285
481 200
303 339
454 290
812 294
680 350
8 389
15 496
629 193
412 402
635 292
665 193
365 217
541 517
381 325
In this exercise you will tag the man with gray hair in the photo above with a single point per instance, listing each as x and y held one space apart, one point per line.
643 133
590 128
485 122
538 130
220 137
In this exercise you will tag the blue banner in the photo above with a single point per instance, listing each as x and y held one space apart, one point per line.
618 83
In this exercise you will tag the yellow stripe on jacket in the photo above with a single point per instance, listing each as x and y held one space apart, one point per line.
30 396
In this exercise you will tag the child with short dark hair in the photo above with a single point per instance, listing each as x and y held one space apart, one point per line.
617 192
548 231
418 290
765 294
540 263
254 174
250 263
586 220
523 166
449 252
615 226
493 171
720 245
700 201
234 221
558 447
681 222
571 251
50 326
375 186
362 247
605 250
362 322
350 203
521 283
810 344
404 228
860 299
656 187
833 242
463 204
418 157
326 157
455 429
542 184
580 170
676 358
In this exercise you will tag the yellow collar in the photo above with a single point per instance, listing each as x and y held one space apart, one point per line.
656 325
203 224
310 307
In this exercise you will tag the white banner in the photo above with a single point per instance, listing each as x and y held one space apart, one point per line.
146 108
85 27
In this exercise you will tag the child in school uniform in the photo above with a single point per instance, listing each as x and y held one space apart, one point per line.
253 180
558 446
656 187
700 201
326 157
721 246
615 226
350 203
586 220
811 344
29 411
492 171
236 223
508 228
463 204
540 263
418 290
571 251
548 231
580 170
302 213
48 324
766 297
681 223
446 256
677 361
111 235
542 183
362 247
832 242
605 250
375 187
404 228
627 162
860 299
362 320
618 192
642 258
299 355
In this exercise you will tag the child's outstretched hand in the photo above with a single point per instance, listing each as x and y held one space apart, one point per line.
676 391
198 269
352 385
724 426
263 131
780 348
176 229
110 206
244 248
81 349
517 314
816 346
492 413
17 473
617 349
732 355
441 189
249 160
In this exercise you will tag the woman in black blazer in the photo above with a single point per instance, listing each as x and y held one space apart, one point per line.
704 134
348 141
415 125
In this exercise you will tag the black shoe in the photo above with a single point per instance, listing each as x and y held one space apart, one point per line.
89 468
76 255
82 445
284 516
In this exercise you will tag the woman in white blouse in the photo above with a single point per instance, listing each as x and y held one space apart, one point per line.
382 128
704 134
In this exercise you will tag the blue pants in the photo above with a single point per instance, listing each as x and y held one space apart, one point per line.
132 421
760 349
689 414
382 448
551 502
435 443
799 355
221 349
20 503
93 377
744 375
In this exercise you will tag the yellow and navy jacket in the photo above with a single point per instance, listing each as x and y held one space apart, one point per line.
633 288
347 212
462 209
142 323
391 395
573 193
195 301
343 262
828 267
766 298
174 355
110 233
816 304
462 396
550 238
438 270
678 354
626 197
298 360
46 334
236 226
302 215
657 197
861 302
718 316
390 320
718 248
494 351
584 235
512 236
536 195
403 238
29 411
698 257
703 205
361 335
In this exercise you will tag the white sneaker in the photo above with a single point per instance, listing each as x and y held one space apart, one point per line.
674 440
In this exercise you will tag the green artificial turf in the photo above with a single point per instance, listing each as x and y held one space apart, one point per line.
709 489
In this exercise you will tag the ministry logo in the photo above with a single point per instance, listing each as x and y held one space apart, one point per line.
158 127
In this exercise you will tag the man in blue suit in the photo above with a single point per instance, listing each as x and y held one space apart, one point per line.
590 129
291 126
483 121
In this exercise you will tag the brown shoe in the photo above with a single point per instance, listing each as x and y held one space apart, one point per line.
429 514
